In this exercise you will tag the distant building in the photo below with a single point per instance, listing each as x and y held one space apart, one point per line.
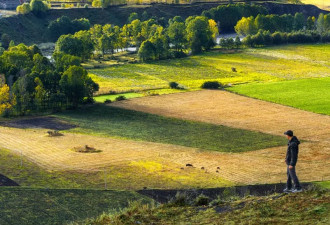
10 4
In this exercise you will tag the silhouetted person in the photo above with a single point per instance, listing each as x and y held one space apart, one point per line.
291 161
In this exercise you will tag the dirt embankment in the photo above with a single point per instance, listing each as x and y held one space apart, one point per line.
27 28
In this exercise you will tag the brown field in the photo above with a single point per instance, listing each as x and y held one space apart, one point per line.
164 160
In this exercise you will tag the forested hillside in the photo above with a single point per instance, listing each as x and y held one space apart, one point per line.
30 29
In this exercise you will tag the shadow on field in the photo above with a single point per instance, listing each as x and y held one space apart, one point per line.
164 196
5 181
47 122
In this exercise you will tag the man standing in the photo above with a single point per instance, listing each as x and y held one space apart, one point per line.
291 161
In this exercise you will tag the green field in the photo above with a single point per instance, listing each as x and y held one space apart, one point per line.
112 97
307 94
110 121
20 206
253 65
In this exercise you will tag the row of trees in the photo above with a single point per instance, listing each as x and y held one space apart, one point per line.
37 7
284 23
227 16
64 25
265 38
152 40
29 82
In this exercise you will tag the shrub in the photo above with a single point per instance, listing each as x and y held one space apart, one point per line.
23 9
86 6
174 85
121 98
180 199
179 54
201 200
107 101
211 85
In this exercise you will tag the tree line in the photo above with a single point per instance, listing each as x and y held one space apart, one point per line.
284 23
227 16
30 82
152 40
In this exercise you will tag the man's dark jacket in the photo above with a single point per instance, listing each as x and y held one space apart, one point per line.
292 152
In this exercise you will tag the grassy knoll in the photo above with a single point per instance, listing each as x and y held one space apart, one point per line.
309 207
59 206
307 94
110 121
265 64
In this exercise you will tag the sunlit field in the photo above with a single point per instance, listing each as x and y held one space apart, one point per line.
323 4
252 65
308 94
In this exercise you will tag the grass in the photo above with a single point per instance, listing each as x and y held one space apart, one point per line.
253 65
309 207
324 184
110 121
112 97
19 206
132 175
307 94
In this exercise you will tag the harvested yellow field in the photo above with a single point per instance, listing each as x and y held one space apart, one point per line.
163 165
225 108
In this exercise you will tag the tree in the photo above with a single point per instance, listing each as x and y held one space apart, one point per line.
246 26
310 23
25 8
133 16
146 51
39 7
199 34
69 44
5 40
299 21
320 23
6 100
177 34
213 28
77 85
237 42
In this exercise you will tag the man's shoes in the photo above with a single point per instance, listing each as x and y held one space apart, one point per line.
296 190
287 190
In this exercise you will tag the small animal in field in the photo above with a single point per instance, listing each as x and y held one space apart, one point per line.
217 171
188 164
202 168
182 168
233 69
218 168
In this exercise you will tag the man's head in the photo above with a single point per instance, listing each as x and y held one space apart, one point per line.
289 134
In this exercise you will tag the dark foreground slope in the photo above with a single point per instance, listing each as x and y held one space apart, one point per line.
30 29
309 207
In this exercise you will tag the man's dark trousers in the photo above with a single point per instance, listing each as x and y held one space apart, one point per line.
292 177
